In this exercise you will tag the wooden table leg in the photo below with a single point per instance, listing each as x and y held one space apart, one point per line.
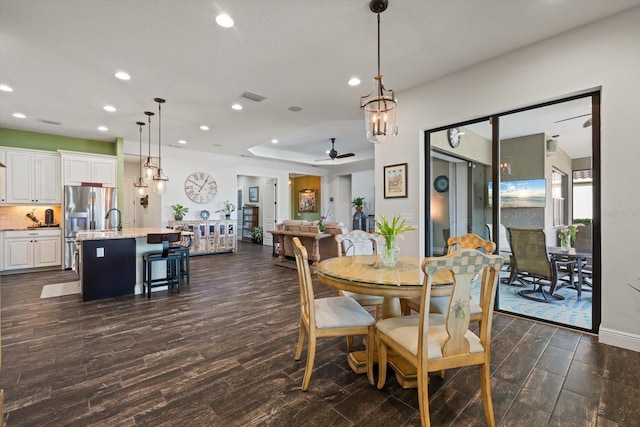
315 254
280 247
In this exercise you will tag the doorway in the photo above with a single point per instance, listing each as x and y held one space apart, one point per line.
534 168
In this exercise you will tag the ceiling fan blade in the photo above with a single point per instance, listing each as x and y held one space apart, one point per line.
574 117
345 155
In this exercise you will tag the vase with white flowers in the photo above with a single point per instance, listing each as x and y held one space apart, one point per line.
567 236
391 231
228 209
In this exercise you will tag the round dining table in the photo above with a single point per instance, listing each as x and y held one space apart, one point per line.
365 274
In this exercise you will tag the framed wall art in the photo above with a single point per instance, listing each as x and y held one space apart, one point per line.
307 201
254 194
395 181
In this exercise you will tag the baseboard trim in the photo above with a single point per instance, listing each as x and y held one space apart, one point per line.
619 339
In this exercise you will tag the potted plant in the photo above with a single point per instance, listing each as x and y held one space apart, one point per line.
357 203
257 234
179 211
228 209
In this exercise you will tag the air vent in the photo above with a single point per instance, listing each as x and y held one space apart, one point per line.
50 122
253 96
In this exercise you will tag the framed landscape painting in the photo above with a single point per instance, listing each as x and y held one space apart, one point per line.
253 194
395 181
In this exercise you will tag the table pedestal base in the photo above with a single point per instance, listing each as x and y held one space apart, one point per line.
406 375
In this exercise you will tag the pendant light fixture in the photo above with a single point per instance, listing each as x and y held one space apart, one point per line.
159 178
149 166
380 104
140 185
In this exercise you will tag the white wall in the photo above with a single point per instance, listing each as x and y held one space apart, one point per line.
605 55
177 164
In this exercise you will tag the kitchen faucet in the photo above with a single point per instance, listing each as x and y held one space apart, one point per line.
119 217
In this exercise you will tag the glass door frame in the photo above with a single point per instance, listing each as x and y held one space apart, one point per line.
494 120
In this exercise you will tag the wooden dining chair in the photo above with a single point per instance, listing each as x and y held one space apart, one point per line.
351 242
432 343
328 317
440 304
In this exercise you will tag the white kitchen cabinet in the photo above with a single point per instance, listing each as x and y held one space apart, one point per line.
80 168
33 176
31 249
3 176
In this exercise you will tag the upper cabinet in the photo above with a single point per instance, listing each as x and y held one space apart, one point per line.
32 176
94 168
3 176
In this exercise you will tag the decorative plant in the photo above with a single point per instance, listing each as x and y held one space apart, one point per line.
257 234
228 208
569 232
179 211
358 202
323 217
391 230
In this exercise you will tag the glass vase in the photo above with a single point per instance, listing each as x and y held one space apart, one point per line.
565 242
389 252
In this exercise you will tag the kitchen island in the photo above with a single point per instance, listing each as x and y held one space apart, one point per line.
117 254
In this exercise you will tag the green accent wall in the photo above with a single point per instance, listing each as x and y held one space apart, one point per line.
44 141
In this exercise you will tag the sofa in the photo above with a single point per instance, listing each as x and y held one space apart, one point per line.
327 247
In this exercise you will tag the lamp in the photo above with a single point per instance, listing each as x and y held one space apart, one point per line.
149 166
505 167
380 104
140 185
159 177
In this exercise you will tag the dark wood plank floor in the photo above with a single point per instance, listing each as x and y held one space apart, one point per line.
221 354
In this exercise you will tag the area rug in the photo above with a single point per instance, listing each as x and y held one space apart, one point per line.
570 311
60 289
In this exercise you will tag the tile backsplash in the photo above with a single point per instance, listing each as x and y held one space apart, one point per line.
15 217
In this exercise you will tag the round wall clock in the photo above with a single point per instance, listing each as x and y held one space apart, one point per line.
200 187
441 184
453 135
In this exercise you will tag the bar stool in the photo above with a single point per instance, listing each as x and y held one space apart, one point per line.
172 260
182 248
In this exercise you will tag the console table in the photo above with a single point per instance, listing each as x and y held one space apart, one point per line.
310 238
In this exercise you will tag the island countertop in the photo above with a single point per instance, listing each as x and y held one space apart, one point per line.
125 233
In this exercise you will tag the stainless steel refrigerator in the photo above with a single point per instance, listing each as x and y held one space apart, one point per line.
85 208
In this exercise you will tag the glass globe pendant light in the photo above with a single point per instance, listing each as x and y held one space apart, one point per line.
140 185
159 178
380 104
149 166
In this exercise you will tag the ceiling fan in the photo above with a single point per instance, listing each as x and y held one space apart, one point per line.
333 154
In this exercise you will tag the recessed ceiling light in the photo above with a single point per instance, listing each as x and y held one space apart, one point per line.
123 75
237 107
204 127
354 81
295 109
224 20
103 128
19 116
182 141
327 152
274 141
109 108
6 88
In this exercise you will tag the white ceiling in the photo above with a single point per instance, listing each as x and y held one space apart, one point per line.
60 57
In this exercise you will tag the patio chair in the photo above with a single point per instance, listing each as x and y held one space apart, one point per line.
531 264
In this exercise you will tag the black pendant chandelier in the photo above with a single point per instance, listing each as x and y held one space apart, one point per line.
380 104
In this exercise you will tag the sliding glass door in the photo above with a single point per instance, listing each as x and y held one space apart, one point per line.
532 169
